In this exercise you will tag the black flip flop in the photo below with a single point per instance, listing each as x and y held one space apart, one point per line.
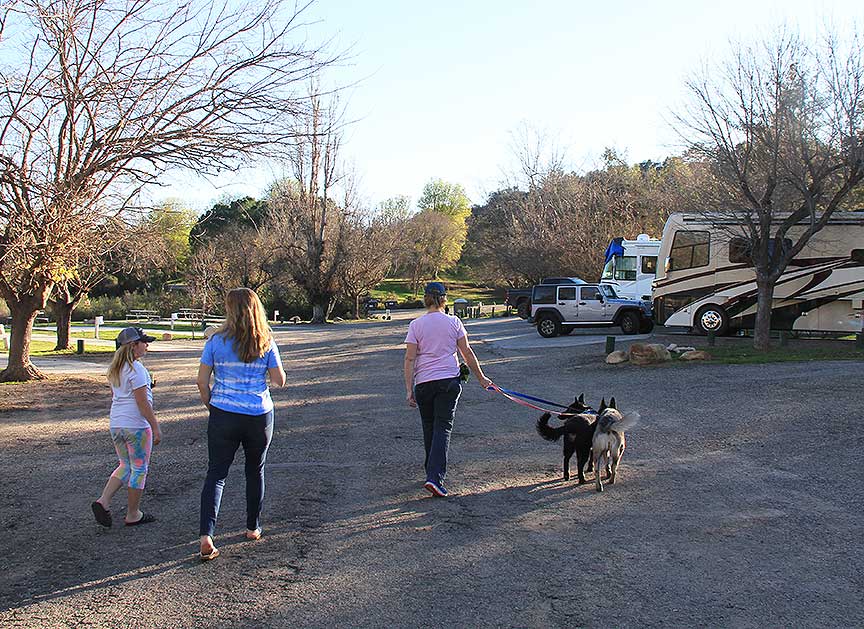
146 518
102 515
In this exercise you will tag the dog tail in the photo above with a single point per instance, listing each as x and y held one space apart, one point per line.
545 430
624 423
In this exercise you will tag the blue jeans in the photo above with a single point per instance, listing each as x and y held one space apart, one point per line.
225 433
437 401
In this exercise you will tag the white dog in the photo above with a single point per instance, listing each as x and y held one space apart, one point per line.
609 443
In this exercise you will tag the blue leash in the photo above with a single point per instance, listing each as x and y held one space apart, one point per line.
525 396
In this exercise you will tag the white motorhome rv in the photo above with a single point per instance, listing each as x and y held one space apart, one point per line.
631 265
706 279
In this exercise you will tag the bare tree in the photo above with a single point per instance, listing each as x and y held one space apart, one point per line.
369 246
100 98
780 125
308 218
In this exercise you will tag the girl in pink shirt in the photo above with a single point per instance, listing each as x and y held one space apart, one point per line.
432 381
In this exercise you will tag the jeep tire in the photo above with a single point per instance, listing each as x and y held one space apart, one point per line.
548 326
646 326
629 322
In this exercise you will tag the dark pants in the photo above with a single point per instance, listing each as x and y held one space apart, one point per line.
437 400
225 433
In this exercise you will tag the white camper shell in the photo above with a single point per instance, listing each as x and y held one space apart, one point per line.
706 279
631 266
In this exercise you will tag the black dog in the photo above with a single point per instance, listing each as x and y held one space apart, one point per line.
578 431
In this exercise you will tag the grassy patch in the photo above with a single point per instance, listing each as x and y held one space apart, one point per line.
796 351
400 289
46 348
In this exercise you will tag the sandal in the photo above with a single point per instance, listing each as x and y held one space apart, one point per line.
146 518
214 552
102 515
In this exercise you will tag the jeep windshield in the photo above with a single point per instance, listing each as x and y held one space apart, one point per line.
608 291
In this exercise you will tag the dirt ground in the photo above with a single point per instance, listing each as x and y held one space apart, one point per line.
739 502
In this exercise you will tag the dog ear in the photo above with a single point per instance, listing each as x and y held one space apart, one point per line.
602 405
581 399
612 404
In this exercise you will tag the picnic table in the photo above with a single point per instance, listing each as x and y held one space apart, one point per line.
137 314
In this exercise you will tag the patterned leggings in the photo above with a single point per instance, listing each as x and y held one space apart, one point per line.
133 449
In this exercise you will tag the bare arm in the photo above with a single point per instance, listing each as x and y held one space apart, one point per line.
203 382
410 357
146 410
472 362
277 376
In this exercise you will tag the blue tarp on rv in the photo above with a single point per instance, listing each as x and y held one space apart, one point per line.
615 248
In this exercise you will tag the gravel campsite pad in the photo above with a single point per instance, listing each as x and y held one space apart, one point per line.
739 500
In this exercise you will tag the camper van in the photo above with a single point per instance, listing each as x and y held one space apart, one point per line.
706 279
630 266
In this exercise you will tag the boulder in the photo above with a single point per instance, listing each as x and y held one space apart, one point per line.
167 336
648 354
616 357
695 355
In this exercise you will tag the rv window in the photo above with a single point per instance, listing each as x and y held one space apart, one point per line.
590 293
625 268
689 249
857 255
567 293
543 295
649 265
739 251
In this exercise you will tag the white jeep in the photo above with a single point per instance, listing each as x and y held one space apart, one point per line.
561 309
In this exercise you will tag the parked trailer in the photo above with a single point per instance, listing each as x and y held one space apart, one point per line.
631 266
707 281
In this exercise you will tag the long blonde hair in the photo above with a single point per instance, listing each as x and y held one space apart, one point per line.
246 324
125 355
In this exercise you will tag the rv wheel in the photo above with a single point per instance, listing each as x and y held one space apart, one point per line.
712 319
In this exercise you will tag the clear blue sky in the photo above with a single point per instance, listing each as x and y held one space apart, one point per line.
445 84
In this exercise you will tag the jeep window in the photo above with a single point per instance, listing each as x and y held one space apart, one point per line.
608 291
543 295
567 293
590 293
857 255
689 249
625 268
649 265
607 270
739 251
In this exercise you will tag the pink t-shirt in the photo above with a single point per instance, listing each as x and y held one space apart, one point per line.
435 334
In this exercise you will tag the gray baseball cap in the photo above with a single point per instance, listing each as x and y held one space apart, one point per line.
130 335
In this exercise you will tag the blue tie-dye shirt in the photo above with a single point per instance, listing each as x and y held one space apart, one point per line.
239 387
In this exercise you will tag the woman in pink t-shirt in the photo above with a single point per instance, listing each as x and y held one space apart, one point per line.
432 381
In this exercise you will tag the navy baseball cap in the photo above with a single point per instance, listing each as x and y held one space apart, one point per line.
130 335
433 288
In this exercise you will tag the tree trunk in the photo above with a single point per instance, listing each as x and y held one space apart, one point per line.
63 312
357 307
762 327
319 311
19 368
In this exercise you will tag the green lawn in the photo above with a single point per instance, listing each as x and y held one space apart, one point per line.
797 351
46 348
400 289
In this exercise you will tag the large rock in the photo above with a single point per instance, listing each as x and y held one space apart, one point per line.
695 355
648 354
616 357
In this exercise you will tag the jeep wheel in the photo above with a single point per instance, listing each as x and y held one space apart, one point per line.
523 309
629 323
646 326
712 319
548 327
